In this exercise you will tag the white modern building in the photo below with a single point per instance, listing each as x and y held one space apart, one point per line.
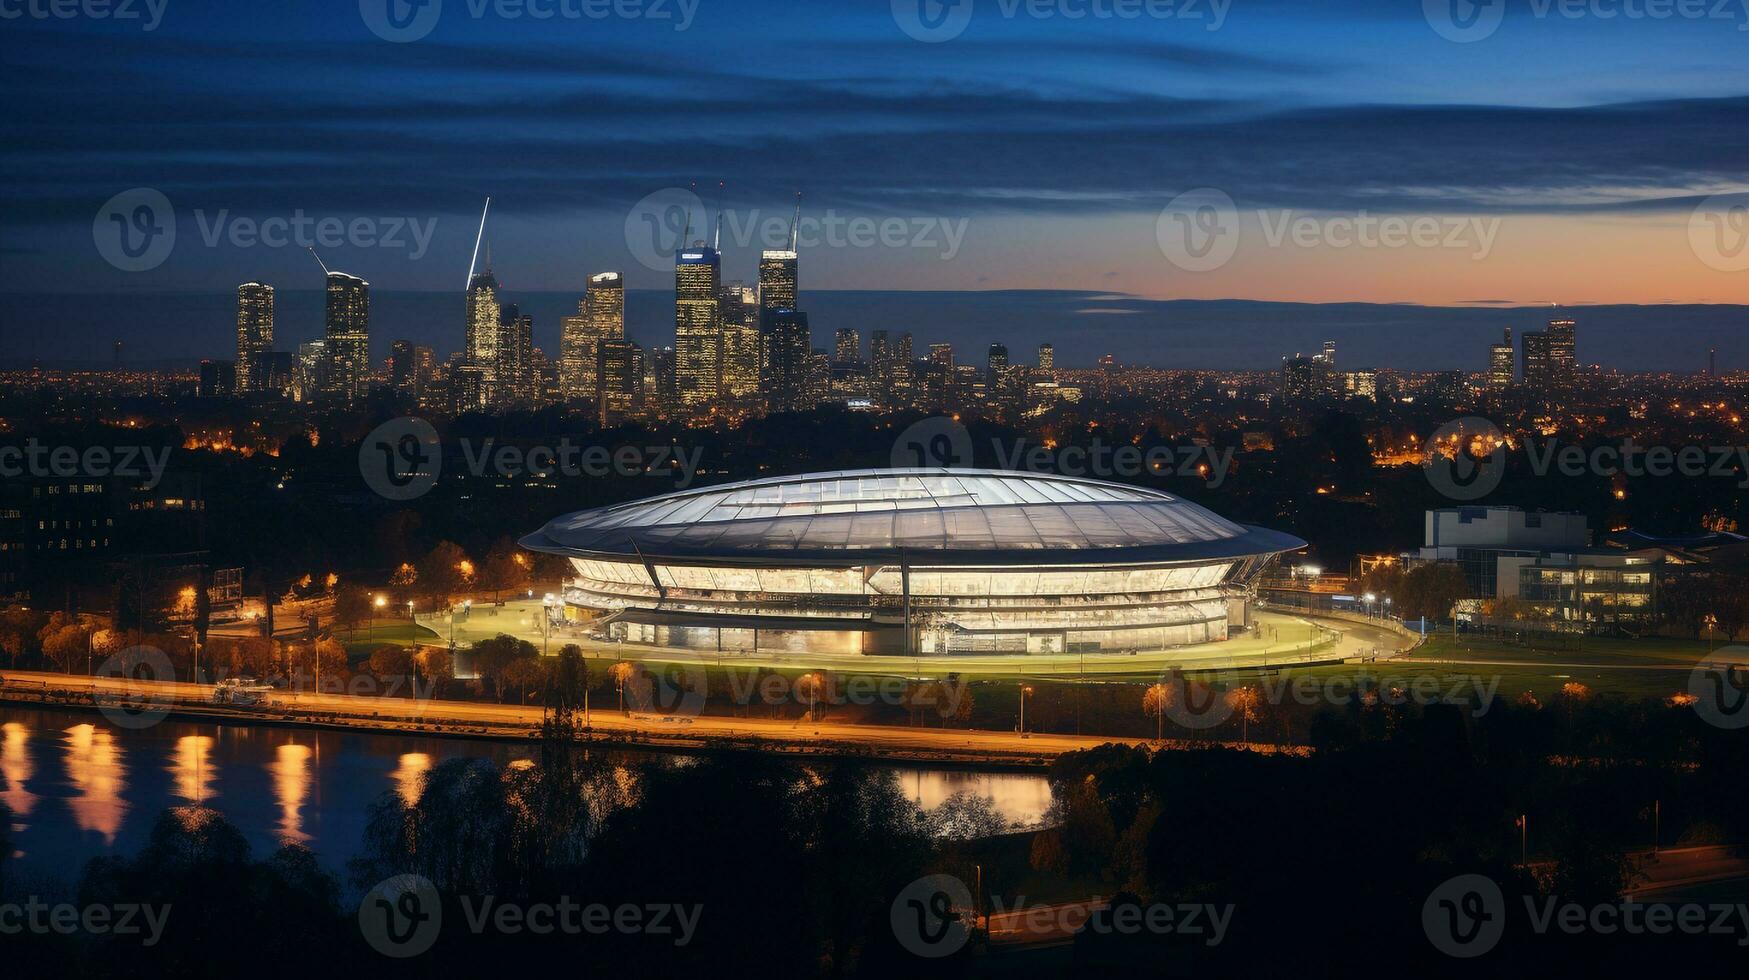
933 561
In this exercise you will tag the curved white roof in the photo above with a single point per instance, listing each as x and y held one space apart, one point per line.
981 516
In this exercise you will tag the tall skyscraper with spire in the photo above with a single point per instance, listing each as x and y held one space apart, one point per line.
482 329
347 340
254 332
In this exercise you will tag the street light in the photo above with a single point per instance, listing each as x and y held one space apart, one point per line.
371 623
1370 599
1024 691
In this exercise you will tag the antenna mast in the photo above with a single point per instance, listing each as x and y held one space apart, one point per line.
717 238
477 236
318 259
794 222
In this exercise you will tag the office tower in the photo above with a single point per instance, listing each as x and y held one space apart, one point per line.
1361 384
254 331
1047 361
846 346
882 358
481 330
941 354
348 336
601 315
996 362
1329 354
787 344
1563 352
424 373
1108 362
513 376
401 367
1305 379
697 328
777 280
1539 370
1500 364
218 379
312 370
661 387
619 372
818 387
904 370
739 343
467 388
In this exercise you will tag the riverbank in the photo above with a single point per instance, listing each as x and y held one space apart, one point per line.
607 729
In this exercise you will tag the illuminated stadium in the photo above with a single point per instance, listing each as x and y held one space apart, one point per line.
910 561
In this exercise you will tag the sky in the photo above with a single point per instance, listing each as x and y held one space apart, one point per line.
1510 154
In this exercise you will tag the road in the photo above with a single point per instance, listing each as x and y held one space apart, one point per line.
515 721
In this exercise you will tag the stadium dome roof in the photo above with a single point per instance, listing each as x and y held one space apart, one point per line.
923 516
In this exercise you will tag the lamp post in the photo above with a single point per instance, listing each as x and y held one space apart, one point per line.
1024 691
377 605
1370 599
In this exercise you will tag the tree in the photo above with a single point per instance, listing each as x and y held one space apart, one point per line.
388 662
1155 700
441 572
966 815
351 606
1245 701
522 674
506 569
66 646
494 656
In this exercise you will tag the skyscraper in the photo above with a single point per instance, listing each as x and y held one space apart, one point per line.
996 365
777 280
787 343
1564 352
480 338
882 366
739 344
659 387
601 316
846 346
514 373
1047 361
402 367
941 354
619 372
311 377
254 331
1500 364
1539 368
348 336
697 326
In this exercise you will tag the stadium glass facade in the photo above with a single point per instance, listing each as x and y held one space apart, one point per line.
909 561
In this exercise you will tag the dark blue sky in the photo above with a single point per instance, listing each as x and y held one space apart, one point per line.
1031 148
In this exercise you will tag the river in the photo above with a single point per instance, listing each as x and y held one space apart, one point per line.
79 787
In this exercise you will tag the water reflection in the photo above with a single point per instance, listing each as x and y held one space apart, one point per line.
409 776
94 767
1021 800
192 767
291 790
16 769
